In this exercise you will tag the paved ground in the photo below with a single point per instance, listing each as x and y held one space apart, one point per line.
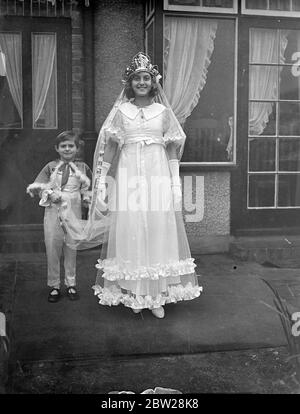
84 347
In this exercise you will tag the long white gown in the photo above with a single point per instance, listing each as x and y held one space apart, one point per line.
147 261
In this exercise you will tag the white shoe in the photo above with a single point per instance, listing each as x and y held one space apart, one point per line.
158 312
137 310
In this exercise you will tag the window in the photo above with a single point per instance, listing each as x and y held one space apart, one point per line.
274 119
44 79
216 6
199 80
47 8
272 7
11 102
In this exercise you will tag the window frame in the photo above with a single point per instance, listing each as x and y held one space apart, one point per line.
277 137
218 164
273 13
203 9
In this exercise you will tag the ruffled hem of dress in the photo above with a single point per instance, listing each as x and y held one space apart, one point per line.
114 296
112 270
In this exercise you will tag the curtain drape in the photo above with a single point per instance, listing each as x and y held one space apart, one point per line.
2 64
263 79
10 44
189 44
44 52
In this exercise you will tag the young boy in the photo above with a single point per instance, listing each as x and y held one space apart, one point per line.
61 181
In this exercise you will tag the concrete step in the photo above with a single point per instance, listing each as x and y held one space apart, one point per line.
279 251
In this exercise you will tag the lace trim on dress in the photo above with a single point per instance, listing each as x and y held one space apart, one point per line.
113 296
112 270
151 111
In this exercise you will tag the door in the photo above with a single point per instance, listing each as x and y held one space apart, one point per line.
266 184
35 105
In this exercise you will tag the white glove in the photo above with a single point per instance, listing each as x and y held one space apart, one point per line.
105 166
176 183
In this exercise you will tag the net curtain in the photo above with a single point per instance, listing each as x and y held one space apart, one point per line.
10 45
189 44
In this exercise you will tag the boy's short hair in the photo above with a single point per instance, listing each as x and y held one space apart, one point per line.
65 136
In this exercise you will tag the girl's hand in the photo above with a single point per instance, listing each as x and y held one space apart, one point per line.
102 191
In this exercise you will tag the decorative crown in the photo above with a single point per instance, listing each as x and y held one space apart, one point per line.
140 63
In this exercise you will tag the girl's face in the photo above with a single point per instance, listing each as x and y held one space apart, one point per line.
67 150
141 84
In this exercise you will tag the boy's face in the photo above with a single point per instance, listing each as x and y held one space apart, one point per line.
67 150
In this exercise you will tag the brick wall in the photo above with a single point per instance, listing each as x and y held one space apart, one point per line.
77 71
119 34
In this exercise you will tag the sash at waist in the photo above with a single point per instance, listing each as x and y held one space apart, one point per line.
143 141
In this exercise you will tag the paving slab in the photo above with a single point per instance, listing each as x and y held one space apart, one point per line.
234 312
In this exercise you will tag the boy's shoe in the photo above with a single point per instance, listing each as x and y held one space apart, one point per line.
136 310
54 295
72 293
158 312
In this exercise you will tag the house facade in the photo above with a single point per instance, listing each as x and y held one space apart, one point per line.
230 70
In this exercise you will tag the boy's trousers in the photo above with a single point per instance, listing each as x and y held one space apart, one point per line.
55 241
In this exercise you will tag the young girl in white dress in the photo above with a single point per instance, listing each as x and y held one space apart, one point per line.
146 261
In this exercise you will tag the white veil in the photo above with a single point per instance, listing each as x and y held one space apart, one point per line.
86 234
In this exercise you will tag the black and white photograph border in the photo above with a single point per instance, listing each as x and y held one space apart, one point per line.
116 287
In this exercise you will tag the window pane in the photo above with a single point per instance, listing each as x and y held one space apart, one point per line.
289 118
279 5
218 3
185 2
262 154
290 43
208 140
265 77
203 3
210 126
11 107
263 46
44 78
289 83
261 190
289 155
268 4
256 4
296 5
289 190
262 118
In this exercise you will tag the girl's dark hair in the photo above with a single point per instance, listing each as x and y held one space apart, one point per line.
129 91
67 135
